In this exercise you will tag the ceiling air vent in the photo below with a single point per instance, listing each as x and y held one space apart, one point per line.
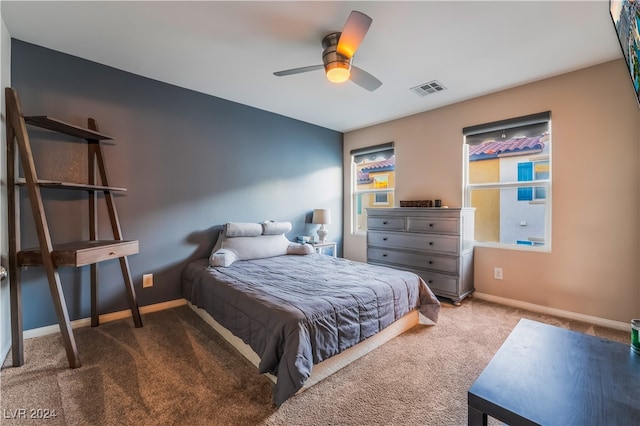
428 88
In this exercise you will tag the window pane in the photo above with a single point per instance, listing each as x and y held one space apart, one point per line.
372 199
541 171
501 218
376 174
381 199
540 193
381 182
507 213
360 219
374 178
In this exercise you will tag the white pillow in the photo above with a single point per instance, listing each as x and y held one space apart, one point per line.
222 257
275 228
237 229
247 248
301 249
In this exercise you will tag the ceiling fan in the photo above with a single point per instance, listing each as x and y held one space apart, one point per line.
339 48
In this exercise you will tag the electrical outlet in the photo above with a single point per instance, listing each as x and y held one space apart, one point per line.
497 273
147 280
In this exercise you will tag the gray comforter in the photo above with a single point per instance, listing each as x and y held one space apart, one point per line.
296 311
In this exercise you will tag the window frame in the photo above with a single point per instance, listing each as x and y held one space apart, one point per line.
468 188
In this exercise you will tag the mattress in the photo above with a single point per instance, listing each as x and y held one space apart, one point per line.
297 311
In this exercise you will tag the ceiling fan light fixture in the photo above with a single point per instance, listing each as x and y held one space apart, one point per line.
338 72
337 67
339 48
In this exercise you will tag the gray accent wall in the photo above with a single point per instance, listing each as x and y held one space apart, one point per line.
191 162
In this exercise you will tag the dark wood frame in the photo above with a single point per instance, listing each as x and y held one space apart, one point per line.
52 256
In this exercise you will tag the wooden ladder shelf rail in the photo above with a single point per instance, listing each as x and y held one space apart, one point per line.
50 255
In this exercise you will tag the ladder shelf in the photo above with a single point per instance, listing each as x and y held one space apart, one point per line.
72 254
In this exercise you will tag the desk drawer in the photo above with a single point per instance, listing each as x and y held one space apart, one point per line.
438 226
425 242
414 260
386 223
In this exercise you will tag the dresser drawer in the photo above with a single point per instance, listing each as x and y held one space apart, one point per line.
386 223
424 242
442 285
438 226
414 260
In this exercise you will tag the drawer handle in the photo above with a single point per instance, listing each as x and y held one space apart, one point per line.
431 224
385 238
431 262
384 255
430 282
430 243
385 222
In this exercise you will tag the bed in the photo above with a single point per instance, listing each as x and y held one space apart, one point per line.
298 309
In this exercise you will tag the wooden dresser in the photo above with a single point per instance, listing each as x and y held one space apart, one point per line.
435 243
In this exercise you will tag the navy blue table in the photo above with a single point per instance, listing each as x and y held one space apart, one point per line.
546 375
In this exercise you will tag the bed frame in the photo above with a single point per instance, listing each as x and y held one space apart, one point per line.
329 366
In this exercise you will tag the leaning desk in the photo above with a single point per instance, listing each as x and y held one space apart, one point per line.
546 375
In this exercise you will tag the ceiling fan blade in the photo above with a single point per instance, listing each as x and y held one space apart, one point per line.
353 33
364 79
298 70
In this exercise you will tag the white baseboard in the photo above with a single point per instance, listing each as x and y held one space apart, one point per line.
84 322
50 329
603 322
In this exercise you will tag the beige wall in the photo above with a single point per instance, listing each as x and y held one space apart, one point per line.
593 266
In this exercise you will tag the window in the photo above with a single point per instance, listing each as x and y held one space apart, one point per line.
508 181
372 182
532 170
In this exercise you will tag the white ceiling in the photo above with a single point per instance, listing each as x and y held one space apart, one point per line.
231 49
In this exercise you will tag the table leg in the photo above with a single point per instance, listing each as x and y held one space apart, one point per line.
476 417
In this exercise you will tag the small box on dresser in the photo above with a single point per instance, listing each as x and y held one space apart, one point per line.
435 243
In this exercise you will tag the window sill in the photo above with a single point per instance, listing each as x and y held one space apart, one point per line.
518 247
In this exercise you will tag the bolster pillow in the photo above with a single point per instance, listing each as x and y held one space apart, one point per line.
236 229
248 248
275 228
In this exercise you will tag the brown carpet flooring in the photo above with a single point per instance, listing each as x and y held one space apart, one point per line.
176 370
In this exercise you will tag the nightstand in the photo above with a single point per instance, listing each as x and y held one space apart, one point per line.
320 247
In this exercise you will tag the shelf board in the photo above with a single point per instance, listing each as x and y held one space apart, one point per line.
70 185
59 126
81 253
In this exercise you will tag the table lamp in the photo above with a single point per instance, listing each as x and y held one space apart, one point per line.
322 217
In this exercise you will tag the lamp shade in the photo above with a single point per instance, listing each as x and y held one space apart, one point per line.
321 216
